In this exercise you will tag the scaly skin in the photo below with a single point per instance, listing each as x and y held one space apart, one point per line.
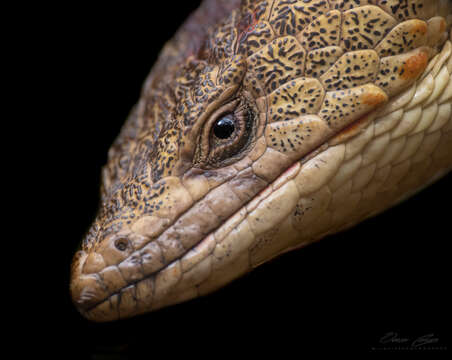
341 109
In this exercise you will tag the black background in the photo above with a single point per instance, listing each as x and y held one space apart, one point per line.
344 293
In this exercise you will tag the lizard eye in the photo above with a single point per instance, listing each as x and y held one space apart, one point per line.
224 127
227 134
121 244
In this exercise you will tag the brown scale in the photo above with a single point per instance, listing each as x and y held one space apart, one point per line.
322 32
341 106
296 98
406 36
223 40
255 38
258 10
409 9
291 16
399 72
364 27
349 4
280 61
320 60
352 69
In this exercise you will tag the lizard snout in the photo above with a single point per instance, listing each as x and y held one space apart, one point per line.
87 289
99 276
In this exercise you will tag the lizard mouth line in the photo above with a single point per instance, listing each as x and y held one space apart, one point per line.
280 180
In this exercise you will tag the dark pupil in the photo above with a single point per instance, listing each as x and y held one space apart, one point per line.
224 127
121 244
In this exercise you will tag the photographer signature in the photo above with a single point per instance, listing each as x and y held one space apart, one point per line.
394 338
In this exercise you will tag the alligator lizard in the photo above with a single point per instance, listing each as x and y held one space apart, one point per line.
265 125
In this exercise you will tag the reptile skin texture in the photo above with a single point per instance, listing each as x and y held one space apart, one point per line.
335 110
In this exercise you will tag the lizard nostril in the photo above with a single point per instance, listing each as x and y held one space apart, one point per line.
121 244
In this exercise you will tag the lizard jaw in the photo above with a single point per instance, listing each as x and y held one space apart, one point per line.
220 257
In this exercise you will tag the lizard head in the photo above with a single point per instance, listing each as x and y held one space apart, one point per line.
203 182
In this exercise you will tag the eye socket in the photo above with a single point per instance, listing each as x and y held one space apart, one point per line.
224 127
228 133
121 244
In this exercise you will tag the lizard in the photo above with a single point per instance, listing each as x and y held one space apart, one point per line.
265 125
